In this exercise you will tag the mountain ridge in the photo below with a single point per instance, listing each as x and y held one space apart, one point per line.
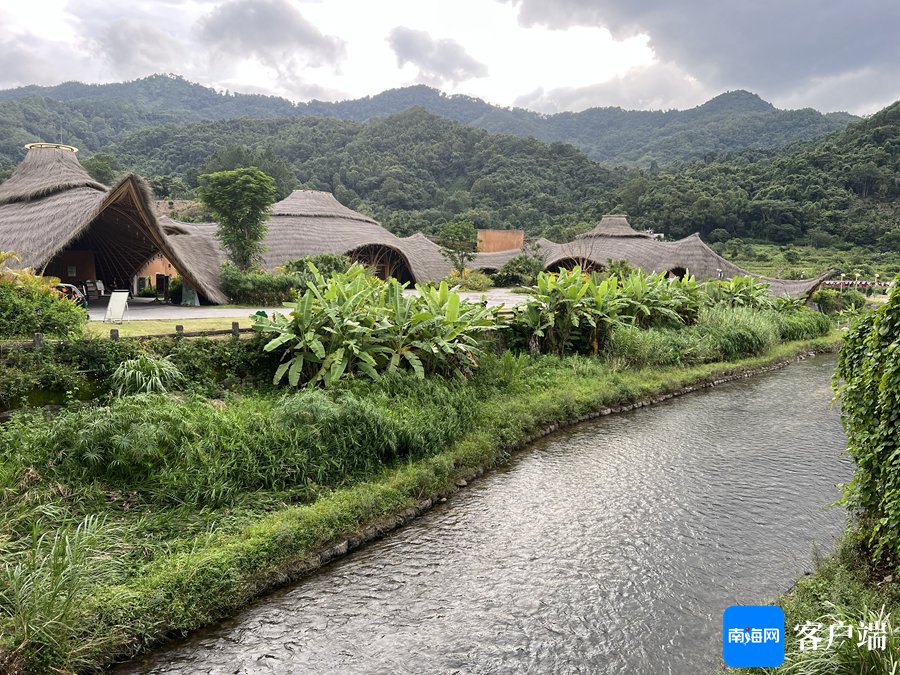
92 115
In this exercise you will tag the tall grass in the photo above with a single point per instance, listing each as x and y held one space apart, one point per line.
721 333
190 451
146 374
44 592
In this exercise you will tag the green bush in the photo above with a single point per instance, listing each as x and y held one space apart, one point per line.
831 301
741 292
29 305
354 324
519 271
83 369
469 280
568 311
575 312
176 288
869 366
258 288
146 374
327 264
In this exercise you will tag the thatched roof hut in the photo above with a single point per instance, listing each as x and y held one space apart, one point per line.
308 222
614 239
63 223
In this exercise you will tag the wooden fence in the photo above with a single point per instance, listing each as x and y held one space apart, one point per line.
38 339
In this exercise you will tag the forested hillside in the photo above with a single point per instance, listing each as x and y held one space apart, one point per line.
91 116
412 170
844 188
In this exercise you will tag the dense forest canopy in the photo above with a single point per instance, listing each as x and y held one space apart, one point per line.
91 116
412 171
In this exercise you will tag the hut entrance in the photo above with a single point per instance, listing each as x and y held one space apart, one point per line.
586 264
679 272
112 250
386 261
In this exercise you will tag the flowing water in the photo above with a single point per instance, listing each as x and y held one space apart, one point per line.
612 547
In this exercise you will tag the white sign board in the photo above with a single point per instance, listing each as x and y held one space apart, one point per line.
118 305
189 296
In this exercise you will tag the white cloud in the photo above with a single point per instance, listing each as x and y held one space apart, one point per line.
559 55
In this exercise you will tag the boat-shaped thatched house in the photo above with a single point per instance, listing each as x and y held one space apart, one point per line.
614 239
65 224
310 222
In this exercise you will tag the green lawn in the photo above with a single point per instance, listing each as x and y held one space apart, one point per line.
164 326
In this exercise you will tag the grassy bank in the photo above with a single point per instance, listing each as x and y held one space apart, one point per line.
845 587
154 515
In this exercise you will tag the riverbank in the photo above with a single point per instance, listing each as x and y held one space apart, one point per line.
845 587
227 555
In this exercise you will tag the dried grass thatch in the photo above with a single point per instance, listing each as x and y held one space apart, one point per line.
310 222
614 239
614 225
50 203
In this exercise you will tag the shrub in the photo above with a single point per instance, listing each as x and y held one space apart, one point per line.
83 369
568 311
354 324
831 301
258 288
469 280
654 300
869 365
29 304
176 287
145 374
741 292
327 265
519 271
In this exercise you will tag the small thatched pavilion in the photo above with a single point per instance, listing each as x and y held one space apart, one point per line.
614 239
65 224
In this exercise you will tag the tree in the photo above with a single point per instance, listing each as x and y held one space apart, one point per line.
103 168
458 242
239 157
239 200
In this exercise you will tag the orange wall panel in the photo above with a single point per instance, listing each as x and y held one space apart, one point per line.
491 241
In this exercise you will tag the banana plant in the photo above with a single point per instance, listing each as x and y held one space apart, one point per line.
353 324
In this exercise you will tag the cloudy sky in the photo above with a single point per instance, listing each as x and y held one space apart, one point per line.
546 55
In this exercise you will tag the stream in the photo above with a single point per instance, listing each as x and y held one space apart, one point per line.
611 547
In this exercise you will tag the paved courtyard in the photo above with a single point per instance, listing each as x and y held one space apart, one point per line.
147 309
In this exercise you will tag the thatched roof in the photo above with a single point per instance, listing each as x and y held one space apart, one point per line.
614 239
47 169
51 202
309 222
614 225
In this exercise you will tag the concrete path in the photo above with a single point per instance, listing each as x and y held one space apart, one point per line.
146 309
